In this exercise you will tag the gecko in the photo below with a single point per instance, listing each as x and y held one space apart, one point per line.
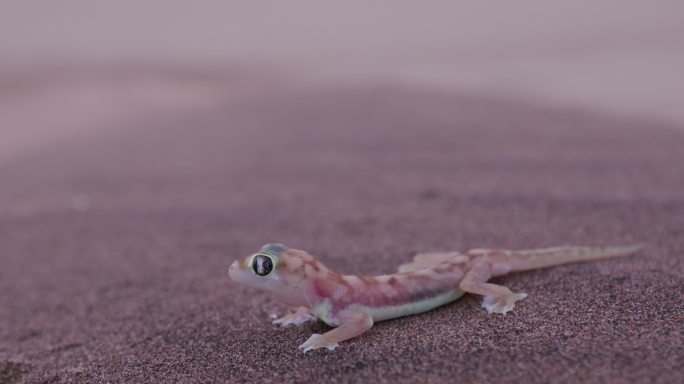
352 304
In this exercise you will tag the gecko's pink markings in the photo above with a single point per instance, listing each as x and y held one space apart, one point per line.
320 289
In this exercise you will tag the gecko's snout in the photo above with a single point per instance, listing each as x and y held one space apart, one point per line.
232 269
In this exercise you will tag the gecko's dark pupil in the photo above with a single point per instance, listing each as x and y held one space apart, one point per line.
262 265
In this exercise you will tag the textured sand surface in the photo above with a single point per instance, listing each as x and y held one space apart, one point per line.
114 249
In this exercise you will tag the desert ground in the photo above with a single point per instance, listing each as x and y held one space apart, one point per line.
115 245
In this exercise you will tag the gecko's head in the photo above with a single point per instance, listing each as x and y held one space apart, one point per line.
274 268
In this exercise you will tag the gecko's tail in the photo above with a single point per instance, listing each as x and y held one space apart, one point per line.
525 260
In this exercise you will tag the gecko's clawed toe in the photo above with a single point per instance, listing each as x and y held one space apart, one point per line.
317 341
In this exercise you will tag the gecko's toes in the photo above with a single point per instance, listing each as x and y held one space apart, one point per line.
317 341
501 305
293 319
489 302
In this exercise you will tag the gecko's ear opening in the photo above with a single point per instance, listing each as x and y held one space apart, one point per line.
274 248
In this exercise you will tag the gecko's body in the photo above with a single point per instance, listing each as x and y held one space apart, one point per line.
353 303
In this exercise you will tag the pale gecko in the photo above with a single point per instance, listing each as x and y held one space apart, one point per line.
352 304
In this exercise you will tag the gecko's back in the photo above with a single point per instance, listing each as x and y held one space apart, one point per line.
400 294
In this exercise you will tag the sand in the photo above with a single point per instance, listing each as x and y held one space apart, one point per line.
114 248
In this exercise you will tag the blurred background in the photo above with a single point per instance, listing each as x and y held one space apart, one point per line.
146 144
69 67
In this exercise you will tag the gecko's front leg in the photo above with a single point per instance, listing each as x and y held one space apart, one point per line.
352 324
300 316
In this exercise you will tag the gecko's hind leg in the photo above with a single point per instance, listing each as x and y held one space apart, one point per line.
300 316
497 298
427 260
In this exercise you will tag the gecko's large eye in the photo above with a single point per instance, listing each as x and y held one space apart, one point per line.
262 265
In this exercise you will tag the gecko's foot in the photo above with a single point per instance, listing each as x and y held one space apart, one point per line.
501 304
317 341
296 318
